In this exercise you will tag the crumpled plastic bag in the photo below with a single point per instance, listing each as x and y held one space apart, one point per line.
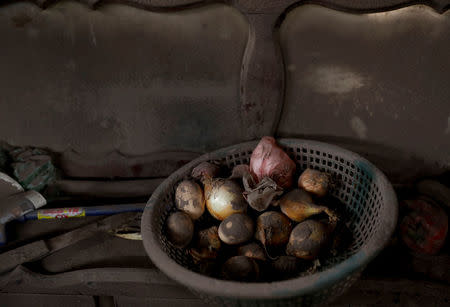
32 168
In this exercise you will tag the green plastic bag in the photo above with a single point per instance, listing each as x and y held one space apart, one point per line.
32 168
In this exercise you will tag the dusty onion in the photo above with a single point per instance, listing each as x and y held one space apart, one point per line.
285 267
307 239
202 254
189 199
180 229
273 228
252 250
209 238
240 268
223 198
298 205
315 182
269 160
207 246
205 169
236 229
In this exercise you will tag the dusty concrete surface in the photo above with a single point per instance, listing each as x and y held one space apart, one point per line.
38 300
103 250
146 287
380 78
120 78
119 81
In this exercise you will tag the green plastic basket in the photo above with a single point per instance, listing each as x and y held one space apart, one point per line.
370 209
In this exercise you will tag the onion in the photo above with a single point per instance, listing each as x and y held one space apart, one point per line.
180 229
298 205
273 228
307 239
209 239
269 160
189 199
252 250
285 267
223 198
240 268
202 255
315 182
236 229
205 169
207 245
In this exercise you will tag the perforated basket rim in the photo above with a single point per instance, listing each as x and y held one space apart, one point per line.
280 289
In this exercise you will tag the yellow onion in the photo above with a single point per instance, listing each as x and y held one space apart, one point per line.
252 250
315 182
200 255
205 169
307 239
189 199
236 229
273 228
285 267
298 205
180 229
240 268
209 238
207 246
223 198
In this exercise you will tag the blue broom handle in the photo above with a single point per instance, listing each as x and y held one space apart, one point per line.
82 211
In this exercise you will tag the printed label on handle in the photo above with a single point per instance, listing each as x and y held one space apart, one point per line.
60 213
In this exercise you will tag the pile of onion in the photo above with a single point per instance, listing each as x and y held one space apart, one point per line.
254 225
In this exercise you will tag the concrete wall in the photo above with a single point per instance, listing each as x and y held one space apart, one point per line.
120 78
116 78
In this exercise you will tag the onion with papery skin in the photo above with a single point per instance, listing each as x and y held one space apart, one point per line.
273 228
207 245
269 160
223 198
205 169
285 267
240 268
180 229
209 238
189 199
236 229
252 250
202 255
307 239
315 182
298 205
